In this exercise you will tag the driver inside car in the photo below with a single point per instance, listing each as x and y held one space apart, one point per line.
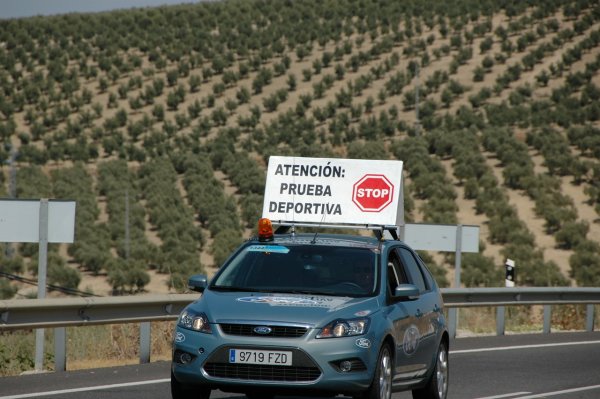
362 275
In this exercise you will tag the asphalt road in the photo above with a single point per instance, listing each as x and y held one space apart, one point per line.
560 365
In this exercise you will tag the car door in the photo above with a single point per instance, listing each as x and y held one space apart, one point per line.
402 313
428 308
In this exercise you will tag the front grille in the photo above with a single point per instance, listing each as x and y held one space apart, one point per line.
276 331
262 373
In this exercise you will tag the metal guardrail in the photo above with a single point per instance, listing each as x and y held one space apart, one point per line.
470 297
59 313
65 312
455 298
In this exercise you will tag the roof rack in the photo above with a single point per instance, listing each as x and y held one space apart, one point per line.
377 229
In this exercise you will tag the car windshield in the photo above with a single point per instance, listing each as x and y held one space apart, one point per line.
304 268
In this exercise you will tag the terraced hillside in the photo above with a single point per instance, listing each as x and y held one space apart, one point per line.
160 122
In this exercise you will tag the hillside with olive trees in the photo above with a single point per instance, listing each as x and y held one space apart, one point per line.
159 122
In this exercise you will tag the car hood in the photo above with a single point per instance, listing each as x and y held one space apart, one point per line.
311 310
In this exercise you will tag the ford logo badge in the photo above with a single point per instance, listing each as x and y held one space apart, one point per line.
179 337
262 330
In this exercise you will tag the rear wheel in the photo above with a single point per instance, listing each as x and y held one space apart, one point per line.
381 386
185 391
437 386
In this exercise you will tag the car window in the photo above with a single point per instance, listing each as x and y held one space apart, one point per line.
325 269
396 274
429 280
414 270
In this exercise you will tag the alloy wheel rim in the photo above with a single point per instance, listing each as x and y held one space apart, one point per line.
385 376
442 374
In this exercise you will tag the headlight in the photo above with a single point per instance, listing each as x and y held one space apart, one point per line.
344 328
194 321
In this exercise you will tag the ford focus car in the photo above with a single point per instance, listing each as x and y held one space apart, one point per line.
314 314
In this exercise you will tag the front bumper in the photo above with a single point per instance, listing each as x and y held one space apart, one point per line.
315 365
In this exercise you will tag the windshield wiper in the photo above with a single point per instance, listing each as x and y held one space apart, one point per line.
312 292
233 288
227 288
283 290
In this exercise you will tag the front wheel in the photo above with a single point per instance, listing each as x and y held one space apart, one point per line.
381 387
437 385
184 391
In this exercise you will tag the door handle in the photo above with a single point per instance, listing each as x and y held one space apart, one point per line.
419 313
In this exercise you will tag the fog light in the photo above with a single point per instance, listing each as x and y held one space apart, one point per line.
185 358
182 357
345 366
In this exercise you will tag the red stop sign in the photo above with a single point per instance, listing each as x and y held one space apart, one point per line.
372 193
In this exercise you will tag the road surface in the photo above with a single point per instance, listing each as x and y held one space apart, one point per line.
560 365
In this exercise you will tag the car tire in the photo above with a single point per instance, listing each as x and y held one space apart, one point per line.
183 391
381 386
437 385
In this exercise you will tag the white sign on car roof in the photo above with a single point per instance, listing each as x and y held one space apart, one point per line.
334 191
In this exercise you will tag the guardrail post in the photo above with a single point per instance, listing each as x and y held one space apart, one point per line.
500 311
589 325
60 349
547 318
145 342
452 321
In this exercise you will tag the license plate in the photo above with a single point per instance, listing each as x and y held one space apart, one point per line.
250 356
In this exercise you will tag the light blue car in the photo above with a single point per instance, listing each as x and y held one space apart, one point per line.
314 314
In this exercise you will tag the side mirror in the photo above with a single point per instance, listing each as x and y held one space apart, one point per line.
198 282
409 291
